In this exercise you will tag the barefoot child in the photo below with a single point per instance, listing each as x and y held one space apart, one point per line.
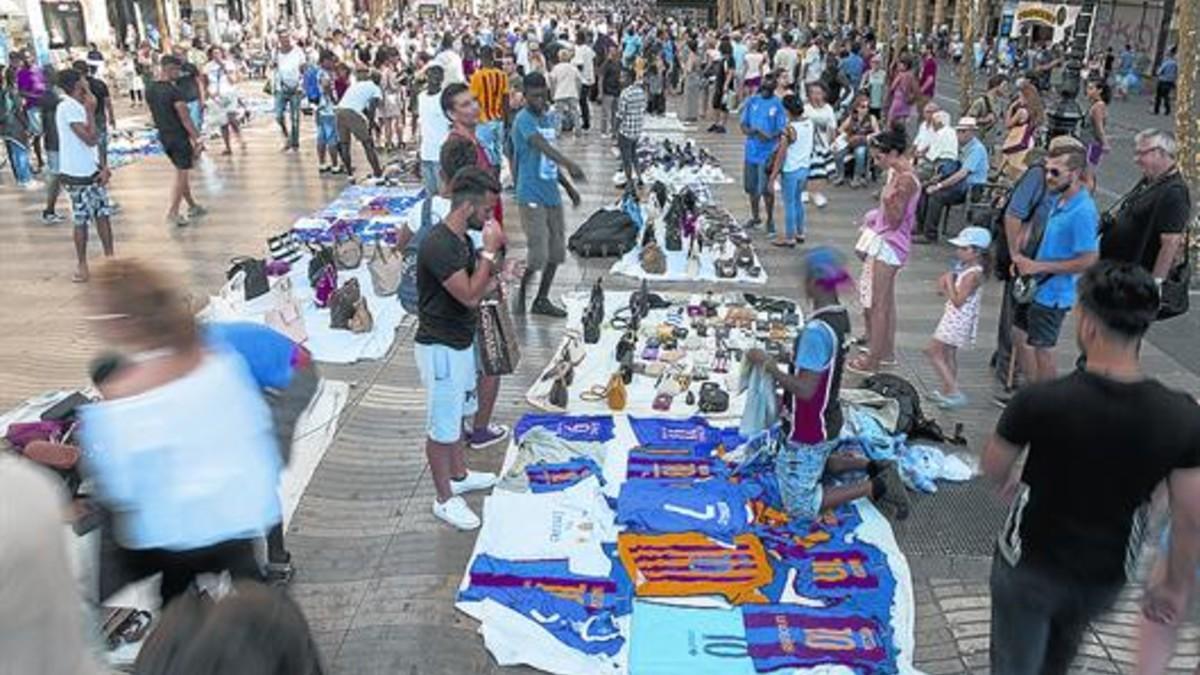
960 318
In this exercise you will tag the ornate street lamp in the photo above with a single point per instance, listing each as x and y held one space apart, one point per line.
1065 114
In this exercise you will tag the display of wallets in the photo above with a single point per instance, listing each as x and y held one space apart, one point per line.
662 402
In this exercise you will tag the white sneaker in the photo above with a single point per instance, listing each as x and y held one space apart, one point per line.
804 197
820 200
456 512
474 480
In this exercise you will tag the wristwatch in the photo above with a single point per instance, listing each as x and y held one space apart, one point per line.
488 256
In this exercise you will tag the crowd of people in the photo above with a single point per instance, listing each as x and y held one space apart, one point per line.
483 105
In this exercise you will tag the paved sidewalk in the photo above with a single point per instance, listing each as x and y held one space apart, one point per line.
376 572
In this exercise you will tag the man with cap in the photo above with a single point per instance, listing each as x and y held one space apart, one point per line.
953 189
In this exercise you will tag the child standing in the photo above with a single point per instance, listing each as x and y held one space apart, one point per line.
792 160
960 318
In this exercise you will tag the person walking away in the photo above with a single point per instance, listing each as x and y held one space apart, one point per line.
180 139
1094 125
1068 246
792 161
450 61
223 97
1149 224
824 128
811 383
610 90
434 127
538 178
47 107
856 131
1126 78
852 67
888 234
1168 75
584 61
763 121
961 287
1064 554
489 85
80 168
724 86
290 63
565 83
956 188
355 115
178 412
631 113
452 279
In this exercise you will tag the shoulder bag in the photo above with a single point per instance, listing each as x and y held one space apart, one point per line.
347 249
342 304
322 257
499 345
254 276
407 289
1173 298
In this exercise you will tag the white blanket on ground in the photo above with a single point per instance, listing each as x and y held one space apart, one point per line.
514 639
328 345
599 364
677 268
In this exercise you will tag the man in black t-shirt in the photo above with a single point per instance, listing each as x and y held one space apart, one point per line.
452 279
1099 441
1149 227
192 86
48 104
179 136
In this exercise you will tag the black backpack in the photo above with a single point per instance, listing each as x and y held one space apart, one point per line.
1001 256
605 234
912 420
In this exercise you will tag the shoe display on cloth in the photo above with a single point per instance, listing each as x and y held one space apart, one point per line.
473 481
488 436
52 218
544 307
889 492
456 512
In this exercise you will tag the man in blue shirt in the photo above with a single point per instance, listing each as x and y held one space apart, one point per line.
540 203
1168 73
763 121
852 67
1069 245
953 189
631 46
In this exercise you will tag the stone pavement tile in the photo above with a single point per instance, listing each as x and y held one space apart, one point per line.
330 606
412 649
328 643
933 651
324 517
946 666
326 559
443 550
383 608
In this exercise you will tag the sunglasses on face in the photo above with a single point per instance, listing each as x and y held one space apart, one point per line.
1056 173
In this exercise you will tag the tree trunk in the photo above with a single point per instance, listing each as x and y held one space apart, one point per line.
1187 93
966 70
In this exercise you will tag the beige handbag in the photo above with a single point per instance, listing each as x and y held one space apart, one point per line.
288 320
386 268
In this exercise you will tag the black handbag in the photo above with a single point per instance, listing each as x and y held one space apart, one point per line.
342 305
321 257
255 282
713 399
1173 294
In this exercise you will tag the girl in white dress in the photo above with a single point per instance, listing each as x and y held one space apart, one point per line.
824 122
960 318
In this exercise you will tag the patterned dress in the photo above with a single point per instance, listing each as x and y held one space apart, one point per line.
959 324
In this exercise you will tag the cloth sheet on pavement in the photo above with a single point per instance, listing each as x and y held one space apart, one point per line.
837 591
598 366
677 268
371 211
328 345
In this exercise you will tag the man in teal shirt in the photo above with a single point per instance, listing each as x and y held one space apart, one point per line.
763 121
540 203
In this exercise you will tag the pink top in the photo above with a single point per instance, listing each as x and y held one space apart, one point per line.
928 77
901 103
899 237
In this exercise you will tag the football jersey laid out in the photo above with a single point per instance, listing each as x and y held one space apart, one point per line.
794 636
669 640
714 507
567 525
694 433
594 428
545 462
694 564
676 465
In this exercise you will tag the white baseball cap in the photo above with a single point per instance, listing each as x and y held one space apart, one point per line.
976 237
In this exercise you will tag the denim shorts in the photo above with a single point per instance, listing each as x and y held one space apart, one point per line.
448 375
1041 324
430 176
799 469
754 179
327 136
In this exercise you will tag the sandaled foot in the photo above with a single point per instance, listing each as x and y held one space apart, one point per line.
861 365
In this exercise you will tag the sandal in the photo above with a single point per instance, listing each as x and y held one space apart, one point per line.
859 365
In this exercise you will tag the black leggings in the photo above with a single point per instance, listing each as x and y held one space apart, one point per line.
179 568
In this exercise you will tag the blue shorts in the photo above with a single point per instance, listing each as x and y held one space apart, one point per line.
448 375
326 131
754 179
799 469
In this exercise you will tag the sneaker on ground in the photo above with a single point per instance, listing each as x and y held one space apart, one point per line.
492 434
820 200
456 512
952 401
51 218
474 480
197 211
544 307
178 221
894 500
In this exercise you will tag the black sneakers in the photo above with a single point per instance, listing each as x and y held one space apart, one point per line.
544 307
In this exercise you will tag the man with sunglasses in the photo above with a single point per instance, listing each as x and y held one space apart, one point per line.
1069 245
1147 226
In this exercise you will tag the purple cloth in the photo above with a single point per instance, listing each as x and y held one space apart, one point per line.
928 77
31 84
